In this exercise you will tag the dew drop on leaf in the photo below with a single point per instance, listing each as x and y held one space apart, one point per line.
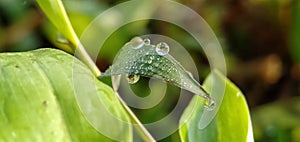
137 59
162 48
132 79
155 64
209 103
137 42
150 68
151 57
147 41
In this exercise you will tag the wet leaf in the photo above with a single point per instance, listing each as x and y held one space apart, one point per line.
139 57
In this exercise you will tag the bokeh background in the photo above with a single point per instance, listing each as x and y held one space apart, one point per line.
260 40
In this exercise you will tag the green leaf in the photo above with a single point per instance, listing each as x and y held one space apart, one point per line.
56 13
38 92
139 57
80 14
232 122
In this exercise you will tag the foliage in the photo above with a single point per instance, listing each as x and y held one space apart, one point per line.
38 99
55 11
50 96
232 122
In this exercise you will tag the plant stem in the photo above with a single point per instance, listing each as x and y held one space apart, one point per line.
84 56
136 122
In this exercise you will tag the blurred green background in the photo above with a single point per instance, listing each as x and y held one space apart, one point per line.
260 39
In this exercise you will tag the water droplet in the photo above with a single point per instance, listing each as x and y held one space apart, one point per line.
184 84
147 41
136 42
62 39
150 68
209 103
127 44
151 57
142 60
156 64
136 72
141 66
162 48
189 73
149 61
132 79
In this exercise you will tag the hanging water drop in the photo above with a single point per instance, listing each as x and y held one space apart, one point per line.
132 78
209 103
62 39
147 41
162 48
136 42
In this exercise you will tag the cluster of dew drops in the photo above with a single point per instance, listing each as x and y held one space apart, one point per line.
162 49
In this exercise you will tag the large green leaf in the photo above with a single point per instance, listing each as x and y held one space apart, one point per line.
232 122
38 100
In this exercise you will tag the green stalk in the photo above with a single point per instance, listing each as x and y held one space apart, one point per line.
84 56
136 122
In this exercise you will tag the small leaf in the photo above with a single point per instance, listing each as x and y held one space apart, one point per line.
231 124
139 57
56 13
40 100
